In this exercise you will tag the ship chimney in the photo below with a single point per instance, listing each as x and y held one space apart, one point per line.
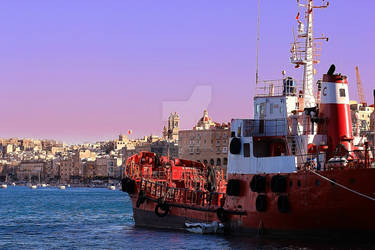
335 111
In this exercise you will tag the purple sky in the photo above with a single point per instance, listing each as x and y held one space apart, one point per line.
86 70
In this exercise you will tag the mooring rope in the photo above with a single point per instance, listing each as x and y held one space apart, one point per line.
342 186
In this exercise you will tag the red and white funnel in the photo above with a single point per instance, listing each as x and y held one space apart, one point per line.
335 112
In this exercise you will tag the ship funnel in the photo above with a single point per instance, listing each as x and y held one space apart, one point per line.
335 112
331 70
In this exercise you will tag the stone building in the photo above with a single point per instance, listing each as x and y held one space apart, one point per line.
66 170
30 171
361 117
171 133
207 142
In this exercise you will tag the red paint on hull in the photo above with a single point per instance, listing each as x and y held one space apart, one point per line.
317 207
315 204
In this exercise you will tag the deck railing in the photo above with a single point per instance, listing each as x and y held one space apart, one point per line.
158 190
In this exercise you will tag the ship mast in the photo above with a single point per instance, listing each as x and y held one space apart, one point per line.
303 51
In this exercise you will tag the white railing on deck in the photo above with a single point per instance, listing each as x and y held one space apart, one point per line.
275 88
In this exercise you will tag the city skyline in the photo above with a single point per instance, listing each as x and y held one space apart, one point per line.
88 70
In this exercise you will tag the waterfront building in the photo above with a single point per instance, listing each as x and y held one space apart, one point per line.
30 171
66 169
207 142
361 117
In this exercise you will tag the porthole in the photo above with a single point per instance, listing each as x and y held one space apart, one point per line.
298 183
290 183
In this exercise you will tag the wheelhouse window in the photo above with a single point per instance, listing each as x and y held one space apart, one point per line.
269 147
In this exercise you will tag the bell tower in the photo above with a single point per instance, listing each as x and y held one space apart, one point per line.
173 127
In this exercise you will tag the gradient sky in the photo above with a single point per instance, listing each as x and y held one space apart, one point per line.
86 70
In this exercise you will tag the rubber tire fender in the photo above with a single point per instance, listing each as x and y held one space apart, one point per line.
258 184
141 198
124 184
163 207
234 187
128 185
261 203
221 214
283 204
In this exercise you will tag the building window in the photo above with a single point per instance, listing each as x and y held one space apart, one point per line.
225 161
212 162
218 162
225 150
191 150
205 162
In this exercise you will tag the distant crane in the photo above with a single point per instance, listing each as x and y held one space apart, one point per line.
360 89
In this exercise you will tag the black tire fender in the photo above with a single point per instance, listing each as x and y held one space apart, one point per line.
258 184
283 204
164 208
261 203
141 198
221 214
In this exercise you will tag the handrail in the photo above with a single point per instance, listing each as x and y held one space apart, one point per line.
180 195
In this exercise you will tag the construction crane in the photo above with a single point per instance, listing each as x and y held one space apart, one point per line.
360 89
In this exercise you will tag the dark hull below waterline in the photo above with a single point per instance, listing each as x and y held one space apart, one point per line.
148 219
144 218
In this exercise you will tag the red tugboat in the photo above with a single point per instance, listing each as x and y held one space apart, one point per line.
294 169
174 194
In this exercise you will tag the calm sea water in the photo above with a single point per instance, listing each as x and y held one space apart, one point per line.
77 218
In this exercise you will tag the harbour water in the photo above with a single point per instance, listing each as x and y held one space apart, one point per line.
76 218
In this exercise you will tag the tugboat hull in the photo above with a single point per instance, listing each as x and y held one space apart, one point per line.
145 216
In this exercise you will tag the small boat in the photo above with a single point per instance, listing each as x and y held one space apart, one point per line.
112 187
44 185
13 184
205 228
33 186
62 187
4 186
